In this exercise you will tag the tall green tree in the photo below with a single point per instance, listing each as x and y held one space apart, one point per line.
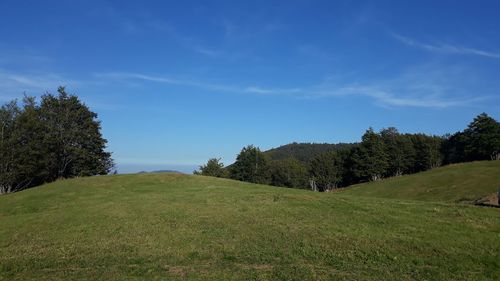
428 152
370 160
453 148
73 137
289 172
31 154
58 138
23 156
8 115
251 165
399 150
482 138
213 168
326 171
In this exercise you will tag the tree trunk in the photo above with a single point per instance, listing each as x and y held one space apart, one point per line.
313 185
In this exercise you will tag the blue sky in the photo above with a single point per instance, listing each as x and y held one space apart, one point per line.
178 82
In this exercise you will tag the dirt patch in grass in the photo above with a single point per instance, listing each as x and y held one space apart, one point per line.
179 270
256 266
490 201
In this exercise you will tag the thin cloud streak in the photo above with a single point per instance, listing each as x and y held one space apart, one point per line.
166 80
127 75
263 91
445 48
205 51
197 84
426 86
385 98
13 84
425 91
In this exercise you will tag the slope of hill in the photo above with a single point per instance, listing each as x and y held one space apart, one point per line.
182 227
452 183
160 171
303 152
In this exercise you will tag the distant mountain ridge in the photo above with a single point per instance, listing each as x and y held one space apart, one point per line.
304 152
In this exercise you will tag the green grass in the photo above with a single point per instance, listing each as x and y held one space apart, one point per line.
453 183
179 227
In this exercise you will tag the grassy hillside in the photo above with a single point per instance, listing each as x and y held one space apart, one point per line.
453 183
178 227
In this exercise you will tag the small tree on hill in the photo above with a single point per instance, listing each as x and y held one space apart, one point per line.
213 168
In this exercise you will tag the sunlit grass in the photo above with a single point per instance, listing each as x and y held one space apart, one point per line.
453 183
178 227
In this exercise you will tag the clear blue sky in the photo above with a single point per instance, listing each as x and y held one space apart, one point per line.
177 82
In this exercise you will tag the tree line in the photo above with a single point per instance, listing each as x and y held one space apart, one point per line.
59 137
304 152
382 154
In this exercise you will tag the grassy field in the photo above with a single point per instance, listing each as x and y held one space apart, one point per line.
179 227
453 183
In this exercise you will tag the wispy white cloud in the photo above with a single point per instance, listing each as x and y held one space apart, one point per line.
9 57
445 48
197 84
139 76
272 91
220 50
166 80
34 81
427 86
387 98
206 51
145 23
14 84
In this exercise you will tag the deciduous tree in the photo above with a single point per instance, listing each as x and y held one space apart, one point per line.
326 171
213 168
289 172
251 165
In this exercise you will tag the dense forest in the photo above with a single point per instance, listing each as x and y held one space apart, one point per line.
304 152
387 153
54 139
59 137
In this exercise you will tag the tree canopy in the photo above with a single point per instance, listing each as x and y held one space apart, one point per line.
58 138
288 172
326 171
382 154
479 141
213 168
251 165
